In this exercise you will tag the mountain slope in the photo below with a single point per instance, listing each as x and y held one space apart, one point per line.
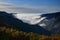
8 20
52 22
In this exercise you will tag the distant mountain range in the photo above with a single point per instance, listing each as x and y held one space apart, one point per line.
53 23
48 21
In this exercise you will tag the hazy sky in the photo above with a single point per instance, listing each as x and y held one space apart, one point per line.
30 6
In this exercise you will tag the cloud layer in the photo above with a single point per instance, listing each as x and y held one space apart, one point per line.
4 6
29 18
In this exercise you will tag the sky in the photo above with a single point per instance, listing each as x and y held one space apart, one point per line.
30 6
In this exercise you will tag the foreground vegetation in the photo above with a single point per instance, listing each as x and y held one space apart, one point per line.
7 33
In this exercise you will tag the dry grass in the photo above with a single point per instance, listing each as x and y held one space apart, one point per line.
14 34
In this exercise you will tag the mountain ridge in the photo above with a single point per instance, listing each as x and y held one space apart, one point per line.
8 19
